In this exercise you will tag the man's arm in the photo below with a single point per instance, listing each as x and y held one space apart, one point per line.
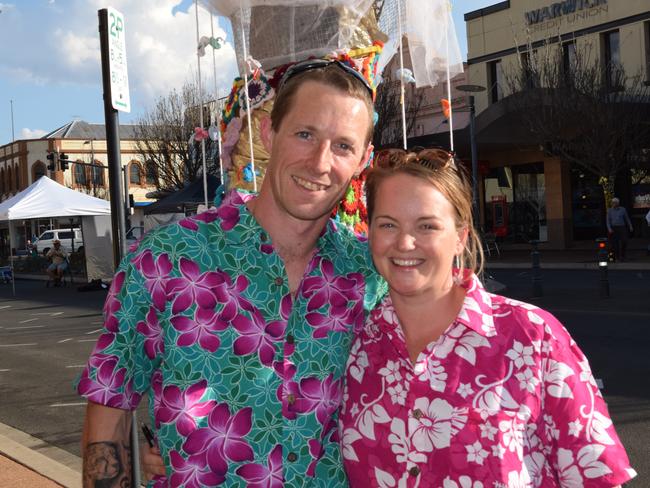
106 447
627 220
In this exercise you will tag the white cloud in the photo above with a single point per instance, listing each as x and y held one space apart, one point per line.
26 133
77 51
58 44
4 7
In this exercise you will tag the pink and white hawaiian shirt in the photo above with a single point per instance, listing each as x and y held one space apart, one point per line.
503 399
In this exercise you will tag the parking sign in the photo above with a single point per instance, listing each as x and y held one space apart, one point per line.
120 99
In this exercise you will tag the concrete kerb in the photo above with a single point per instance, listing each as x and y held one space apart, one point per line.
49 461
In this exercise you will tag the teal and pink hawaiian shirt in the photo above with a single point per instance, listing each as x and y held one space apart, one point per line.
246 380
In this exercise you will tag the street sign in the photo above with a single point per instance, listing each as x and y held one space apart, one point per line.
120 99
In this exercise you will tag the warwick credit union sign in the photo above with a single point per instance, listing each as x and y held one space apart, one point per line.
560 9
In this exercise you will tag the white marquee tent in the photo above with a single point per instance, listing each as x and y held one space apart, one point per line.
46 198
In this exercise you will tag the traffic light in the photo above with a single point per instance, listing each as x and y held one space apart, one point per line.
63 161
51 156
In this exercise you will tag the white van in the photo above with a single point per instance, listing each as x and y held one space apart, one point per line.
45 241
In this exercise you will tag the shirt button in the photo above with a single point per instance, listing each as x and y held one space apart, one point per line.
291 457
263 237
417 414
290 339
414 471
279 281
291 398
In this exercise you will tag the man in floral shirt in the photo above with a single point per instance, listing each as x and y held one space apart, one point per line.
238 321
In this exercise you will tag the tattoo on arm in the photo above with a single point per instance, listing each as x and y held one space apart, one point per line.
107 465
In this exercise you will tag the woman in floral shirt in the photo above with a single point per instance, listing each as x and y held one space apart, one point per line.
448 385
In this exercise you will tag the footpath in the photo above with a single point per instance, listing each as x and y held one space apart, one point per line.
26 462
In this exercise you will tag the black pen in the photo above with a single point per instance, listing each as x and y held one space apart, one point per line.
148 435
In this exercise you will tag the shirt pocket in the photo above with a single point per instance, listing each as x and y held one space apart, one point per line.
490 446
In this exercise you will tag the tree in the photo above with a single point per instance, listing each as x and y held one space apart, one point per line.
163 139
588 113
388 129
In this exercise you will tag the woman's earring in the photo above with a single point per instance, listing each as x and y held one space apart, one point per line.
457 272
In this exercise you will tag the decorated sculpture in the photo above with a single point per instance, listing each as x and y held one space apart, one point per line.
270 35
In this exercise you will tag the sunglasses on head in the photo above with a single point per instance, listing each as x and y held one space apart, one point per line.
433 159
312 64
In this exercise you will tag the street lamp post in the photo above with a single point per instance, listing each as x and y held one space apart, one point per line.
472 140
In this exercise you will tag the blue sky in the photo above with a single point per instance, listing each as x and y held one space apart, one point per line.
50 64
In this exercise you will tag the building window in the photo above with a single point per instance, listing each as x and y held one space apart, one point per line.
135 177
569 57
97 174
151 176
612 58
495 80
2 181
39 170
80 174
17 175
528 75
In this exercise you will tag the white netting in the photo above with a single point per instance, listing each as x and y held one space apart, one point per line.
286 31
429 28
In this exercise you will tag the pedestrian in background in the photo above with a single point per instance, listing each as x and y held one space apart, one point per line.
618 223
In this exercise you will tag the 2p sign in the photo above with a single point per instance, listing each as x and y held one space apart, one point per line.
120 99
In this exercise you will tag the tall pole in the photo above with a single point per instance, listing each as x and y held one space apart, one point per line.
117 209
13 137
472 137
112 148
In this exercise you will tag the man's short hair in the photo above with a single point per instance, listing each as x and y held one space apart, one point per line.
331 75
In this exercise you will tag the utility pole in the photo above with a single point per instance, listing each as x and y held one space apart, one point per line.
13 138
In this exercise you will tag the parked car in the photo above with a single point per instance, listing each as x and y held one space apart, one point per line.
45 241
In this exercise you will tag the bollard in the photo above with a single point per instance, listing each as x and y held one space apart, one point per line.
537 272
603 264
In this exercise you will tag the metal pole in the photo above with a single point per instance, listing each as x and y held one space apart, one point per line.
13 138
126 195
112 148
112 122
603 265
472 138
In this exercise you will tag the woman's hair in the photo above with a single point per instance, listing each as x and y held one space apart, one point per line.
446 175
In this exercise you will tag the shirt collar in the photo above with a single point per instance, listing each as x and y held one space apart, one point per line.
476 312
240 225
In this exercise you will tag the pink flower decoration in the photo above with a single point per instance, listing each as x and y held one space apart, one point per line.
156 273
150 329
192 472
223 439
200 133
260 476
230 138
201 328
193 287
183 407
255 335
112 303
322 397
